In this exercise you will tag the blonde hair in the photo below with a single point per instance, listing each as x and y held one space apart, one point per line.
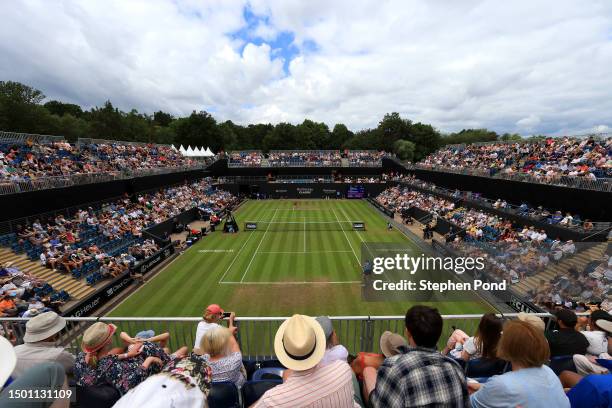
215 341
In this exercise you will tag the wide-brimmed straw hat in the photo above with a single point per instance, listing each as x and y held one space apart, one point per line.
43 326
8 360
97 336
300 343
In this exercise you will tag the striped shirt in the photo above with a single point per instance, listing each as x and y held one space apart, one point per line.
329 386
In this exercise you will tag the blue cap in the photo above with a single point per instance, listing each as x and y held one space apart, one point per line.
145 334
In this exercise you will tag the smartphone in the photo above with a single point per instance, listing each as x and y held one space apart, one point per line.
226 315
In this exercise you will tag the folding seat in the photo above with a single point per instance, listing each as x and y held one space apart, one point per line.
253 390
224 395
561 363
269 373
479 368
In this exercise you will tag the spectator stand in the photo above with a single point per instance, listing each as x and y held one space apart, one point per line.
516 213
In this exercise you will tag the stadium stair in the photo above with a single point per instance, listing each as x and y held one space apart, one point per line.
77 289
579 260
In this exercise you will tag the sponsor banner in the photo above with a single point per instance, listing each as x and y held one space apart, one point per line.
520 305
250 226
305 191
359 226
148 264
99 298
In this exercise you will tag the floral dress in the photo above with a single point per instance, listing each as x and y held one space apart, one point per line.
121 374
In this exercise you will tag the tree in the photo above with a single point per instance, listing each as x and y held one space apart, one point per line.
470 136
106 123
284 136
19 107
339 136
60 108
162 118
198 129
392 128
404 149
228 135
425 138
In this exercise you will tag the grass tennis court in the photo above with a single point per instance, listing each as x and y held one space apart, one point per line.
304 257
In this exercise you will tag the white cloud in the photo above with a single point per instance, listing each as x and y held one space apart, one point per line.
520 66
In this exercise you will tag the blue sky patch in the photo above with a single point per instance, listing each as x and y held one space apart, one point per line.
283 44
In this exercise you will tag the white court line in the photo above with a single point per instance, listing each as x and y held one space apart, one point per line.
304 234
235 257
293 209
346 236
300 252
292 283
257 249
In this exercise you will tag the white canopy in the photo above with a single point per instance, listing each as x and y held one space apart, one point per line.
208 152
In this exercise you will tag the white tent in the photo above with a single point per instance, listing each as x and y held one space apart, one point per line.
189 152
200 152
208 152
181 150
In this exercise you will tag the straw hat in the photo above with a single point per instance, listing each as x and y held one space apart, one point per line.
97 336
43 326
532 319
8 360
300 343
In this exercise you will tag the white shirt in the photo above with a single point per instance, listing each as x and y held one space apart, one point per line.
598 342
203 327
32 354
336 353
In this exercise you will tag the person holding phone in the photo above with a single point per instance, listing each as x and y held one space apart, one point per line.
211 319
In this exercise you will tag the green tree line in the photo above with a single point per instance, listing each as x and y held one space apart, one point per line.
25 109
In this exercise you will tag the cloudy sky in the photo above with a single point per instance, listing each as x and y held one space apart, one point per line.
522 66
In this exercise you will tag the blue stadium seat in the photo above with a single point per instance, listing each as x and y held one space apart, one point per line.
479 367
268 373
253 390
562 363
223 395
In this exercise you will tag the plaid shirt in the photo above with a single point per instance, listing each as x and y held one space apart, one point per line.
420 377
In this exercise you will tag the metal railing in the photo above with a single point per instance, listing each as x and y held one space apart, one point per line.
510 209
20 138
88 140
599 184
255 334
51 182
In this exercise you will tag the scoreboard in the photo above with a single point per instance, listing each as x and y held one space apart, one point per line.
355 191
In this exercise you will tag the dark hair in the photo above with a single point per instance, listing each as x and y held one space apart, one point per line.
488 334
425 325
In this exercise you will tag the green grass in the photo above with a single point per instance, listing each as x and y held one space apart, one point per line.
277 273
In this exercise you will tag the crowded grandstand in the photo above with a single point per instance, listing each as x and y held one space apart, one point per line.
292 204
552 334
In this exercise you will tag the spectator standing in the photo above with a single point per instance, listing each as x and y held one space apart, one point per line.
40 337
